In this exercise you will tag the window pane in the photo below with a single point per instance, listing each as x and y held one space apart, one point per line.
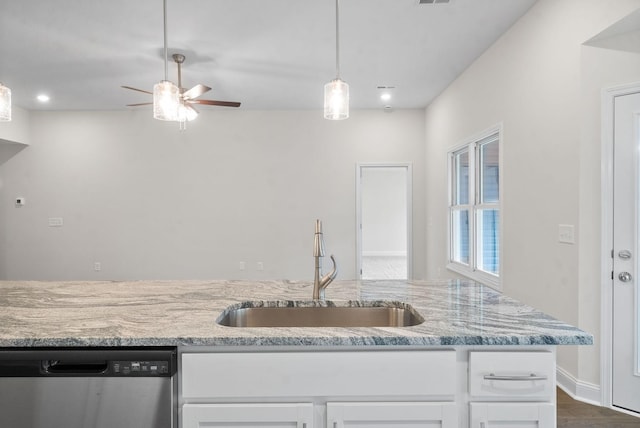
488 241
460 238
461 178
489 173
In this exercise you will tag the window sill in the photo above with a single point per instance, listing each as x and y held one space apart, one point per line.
478 276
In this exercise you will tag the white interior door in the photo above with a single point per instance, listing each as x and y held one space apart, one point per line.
626 221
384 221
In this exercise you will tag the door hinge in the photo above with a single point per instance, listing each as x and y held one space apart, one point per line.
612 275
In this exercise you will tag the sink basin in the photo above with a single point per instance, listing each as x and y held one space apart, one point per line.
298 314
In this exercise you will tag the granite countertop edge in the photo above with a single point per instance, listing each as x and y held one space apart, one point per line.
184 313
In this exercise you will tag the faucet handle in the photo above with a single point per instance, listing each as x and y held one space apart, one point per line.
326 280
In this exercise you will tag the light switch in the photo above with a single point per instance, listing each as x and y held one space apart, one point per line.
20 202
566 234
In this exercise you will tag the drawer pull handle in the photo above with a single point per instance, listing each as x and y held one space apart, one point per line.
532 376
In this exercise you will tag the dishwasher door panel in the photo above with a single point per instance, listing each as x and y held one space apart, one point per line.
86 402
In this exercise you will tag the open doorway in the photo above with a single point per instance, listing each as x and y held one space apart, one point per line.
383 193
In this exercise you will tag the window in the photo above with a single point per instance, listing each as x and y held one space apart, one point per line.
474 209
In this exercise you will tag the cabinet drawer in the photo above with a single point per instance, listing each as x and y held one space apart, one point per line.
328 374
512 376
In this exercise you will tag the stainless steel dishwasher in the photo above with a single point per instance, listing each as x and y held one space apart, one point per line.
88 388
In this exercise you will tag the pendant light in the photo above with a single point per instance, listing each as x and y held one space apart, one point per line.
336 92
5 103
166 95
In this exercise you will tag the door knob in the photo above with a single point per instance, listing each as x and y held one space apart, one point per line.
625 276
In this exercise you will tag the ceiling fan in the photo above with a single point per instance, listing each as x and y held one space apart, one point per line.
187 97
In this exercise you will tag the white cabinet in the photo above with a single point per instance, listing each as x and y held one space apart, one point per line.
439 388
512 389
522 415
317 389
282 415
392 415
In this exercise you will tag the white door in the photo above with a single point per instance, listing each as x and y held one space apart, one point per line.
392 415
626 245
521 415
248 415
383 193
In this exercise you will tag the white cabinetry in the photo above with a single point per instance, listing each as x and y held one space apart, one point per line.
522 415
440 388
512 389
316 389
284 415
391 415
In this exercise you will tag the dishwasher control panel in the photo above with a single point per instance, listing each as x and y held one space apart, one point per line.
139 368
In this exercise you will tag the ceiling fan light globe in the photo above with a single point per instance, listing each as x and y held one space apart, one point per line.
5 103
186 113
166 101
336 100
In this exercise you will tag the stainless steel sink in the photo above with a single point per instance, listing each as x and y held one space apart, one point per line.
274 314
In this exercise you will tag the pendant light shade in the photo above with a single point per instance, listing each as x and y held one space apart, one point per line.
166 101
166 95
336 92
5 103
336 100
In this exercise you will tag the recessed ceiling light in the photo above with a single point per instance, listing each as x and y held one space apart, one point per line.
43 98
385 96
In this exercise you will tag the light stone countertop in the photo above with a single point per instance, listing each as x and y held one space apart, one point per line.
163 313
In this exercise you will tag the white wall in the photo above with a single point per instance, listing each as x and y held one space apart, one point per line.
17 129
532 80
149 202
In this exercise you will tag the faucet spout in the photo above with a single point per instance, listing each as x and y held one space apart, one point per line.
320 282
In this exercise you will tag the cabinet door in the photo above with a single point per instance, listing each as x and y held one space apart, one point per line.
392 415
285 415
522 415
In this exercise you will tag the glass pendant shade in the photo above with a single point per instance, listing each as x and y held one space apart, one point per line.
166 101
186 113
336 100
5 103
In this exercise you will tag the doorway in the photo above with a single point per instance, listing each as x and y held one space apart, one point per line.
383 194
621 234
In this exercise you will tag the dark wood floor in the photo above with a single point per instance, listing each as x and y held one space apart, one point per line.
576 414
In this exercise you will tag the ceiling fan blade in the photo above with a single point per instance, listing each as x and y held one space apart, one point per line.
136 89
215 103
139 104
195 92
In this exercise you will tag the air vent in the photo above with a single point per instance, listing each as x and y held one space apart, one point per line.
433 1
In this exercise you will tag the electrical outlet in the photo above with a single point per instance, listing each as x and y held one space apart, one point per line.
260 266
20 202
55 222
97 266
242 265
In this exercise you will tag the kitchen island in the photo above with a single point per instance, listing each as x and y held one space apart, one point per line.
478 358
161 313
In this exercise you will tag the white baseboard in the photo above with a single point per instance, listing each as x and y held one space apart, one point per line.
578 390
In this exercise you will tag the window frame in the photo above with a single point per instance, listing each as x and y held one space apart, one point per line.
474 206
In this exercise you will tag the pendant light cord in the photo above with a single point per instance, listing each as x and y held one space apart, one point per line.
166 61
337 40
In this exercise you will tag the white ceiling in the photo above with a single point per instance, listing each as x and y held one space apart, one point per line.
268 54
